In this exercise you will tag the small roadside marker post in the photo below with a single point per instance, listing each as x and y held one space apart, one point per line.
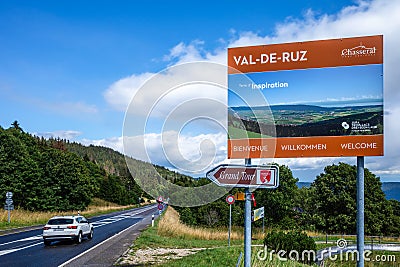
152 220
230 199
9 205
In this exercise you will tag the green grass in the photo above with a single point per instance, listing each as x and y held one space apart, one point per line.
150 238
236 133
224 256
23 218
217 252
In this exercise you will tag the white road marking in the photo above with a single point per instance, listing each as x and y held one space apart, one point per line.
4 252
104 241
38 237
119 217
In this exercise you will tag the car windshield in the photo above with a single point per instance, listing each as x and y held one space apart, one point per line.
60 221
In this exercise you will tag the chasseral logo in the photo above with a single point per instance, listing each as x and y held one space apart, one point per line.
345 125
359 51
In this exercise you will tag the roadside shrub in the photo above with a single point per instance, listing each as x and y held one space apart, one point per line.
293 243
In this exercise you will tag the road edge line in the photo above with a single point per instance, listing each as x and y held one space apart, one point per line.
99 244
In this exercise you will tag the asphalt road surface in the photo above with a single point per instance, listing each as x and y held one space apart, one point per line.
27 248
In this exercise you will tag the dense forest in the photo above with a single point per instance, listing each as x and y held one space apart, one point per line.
58 175
328 205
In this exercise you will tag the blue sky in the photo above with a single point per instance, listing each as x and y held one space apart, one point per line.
321 86
70 68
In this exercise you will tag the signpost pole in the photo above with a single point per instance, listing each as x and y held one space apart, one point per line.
247 224
247 177
9 215
230 225
247 228
360 210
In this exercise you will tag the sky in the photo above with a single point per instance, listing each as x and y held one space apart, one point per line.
321 86
82 70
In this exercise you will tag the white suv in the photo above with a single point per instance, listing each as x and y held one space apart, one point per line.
67 228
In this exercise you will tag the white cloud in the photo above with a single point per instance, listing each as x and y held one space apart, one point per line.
182 53
193 155
62 134
120 93
115 143
362 18
188 154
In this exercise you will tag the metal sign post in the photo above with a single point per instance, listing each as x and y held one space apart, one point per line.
247 228
247 224
248 177
360 210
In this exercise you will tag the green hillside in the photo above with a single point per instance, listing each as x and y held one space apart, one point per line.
55 174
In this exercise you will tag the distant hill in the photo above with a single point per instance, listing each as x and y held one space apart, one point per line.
303 184
300 108
391 189
56 174
114 162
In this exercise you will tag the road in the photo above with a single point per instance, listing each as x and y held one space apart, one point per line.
27 248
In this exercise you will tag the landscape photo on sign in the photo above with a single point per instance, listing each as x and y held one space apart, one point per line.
312 102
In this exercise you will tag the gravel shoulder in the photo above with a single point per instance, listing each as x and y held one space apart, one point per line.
152 256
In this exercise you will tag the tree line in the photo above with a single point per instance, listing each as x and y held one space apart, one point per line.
55 174
328 205
49 175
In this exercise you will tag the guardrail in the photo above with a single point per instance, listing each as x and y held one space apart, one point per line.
372 239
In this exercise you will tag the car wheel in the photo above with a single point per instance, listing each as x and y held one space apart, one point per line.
46 242
90 236
79 238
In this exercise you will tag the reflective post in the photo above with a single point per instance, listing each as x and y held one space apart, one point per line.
230 225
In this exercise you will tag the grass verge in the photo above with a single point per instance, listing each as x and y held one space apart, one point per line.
169 232
22 218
